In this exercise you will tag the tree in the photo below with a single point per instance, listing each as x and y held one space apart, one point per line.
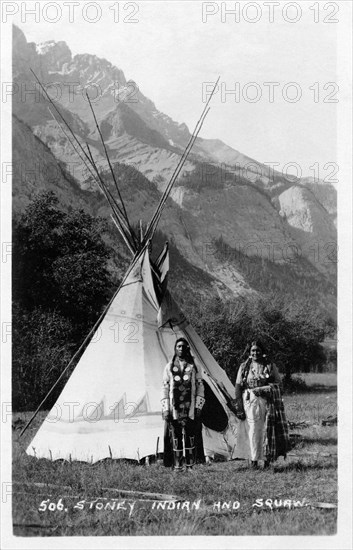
291 331
60 285
60 261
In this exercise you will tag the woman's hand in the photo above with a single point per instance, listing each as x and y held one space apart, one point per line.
262 391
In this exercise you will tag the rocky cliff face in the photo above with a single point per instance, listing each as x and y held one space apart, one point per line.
259 213
36 169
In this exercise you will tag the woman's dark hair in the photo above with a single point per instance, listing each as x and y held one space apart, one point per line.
248 347
181 340
248 360
258 344
189 357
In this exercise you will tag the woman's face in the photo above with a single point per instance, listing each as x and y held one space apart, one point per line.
181 349
256 352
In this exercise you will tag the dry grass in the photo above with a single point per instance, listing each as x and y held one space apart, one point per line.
308 473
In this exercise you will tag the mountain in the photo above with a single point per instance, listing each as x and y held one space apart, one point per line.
283 226
36 169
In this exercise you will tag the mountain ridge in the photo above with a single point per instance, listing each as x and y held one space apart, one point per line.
252 208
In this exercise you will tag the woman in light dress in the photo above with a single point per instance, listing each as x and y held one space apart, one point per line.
258 402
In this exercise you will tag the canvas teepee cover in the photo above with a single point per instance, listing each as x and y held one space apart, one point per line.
110 406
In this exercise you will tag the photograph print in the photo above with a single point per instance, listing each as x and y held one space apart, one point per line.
176 251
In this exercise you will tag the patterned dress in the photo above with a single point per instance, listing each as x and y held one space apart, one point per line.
182 394
264 378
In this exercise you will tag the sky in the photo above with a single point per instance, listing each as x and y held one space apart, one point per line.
173 50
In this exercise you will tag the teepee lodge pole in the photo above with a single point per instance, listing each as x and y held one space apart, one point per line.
108 160
62 118
126 240
156 217
87 157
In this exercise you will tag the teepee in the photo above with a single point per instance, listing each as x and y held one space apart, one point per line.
110 405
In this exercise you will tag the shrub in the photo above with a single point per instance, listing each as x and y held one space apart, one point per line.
294 384
41 350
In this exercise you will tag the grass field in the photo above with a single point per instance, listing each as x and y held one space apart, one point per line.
222 498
